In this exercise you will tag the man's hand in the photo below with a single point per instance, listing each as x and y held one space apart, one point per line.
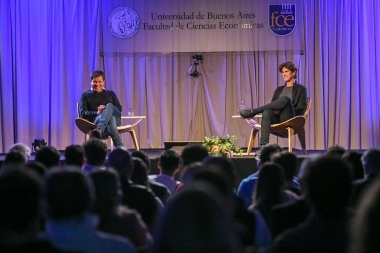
276 112
100 109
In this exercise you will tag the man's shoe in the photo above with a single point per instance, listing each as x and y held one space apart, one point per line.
98 133
246 113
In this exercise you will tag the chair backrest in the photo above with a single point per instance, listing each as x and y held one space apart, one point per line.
78 113
306 113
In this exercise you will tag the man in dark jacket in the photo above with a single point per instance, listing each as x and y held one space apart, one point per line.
288 101
102 107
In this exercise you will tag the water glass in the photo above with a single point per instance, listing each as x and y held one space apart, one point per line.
130 112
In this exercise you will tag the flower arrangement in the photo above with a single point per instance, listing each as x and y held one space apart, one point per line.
223 146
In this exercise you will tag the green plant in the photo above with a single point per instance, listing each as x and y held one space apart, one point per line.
224 146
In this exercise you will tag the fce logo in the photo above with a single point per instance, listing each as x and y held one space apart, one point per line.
282 18
123 22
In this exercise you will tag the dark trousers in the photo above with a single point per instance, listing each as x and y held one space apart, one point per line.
282 104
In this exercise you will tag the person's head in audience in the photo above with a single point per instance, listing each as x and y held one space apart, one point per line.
336 150
14 159
48 156
20 207
267 152
288 162
268 189
196 220
120 159
139 175
225 165
169 163
193 153
371 161
365 228
74 155
354 159
68 194
328 185
107 192
95 152
36 167
21 147
144 157
190 170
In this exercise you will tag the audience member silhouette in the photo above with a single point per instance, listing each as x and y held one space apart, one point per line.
69 196
159 190
74 155
14 159
169 166
20 212
365 228
288 215
48 156
36 167
247 185
21 147
115 218
249 225
196 220
134 196
193 153
371 164
139 173
328 188
336 150
288 162
270 189
95 152
354 159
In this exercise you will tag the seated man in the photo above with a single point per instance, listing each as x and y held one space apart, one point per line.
102 107
288 101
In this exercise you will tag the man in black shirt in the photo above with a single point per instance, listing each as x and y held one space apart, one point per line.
288 101
102 107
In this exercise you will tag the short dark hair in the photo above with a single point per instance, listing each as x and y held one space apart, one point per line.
371 160
21 192
95 151
328 184
143 156
289 65
68 194
335 150
288 162
267 151
74 155
120 159
169 160
15 157
193 153
97 73
48 156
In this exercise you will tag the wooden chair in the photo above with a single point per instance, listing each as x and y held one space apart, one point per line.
286 129
87 127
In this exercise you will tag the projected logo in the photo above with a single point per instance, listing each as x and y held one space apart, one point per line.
282 18
123 22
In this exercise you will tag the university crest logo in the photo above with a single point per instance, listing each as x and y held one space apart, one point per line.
123 22
282 18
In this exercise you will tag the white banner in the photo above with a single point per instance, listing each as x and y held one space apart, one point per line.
201 25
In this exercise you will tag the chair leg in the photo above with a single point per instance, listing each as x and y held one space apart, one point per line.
251 140
290 139
301 137
134 139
